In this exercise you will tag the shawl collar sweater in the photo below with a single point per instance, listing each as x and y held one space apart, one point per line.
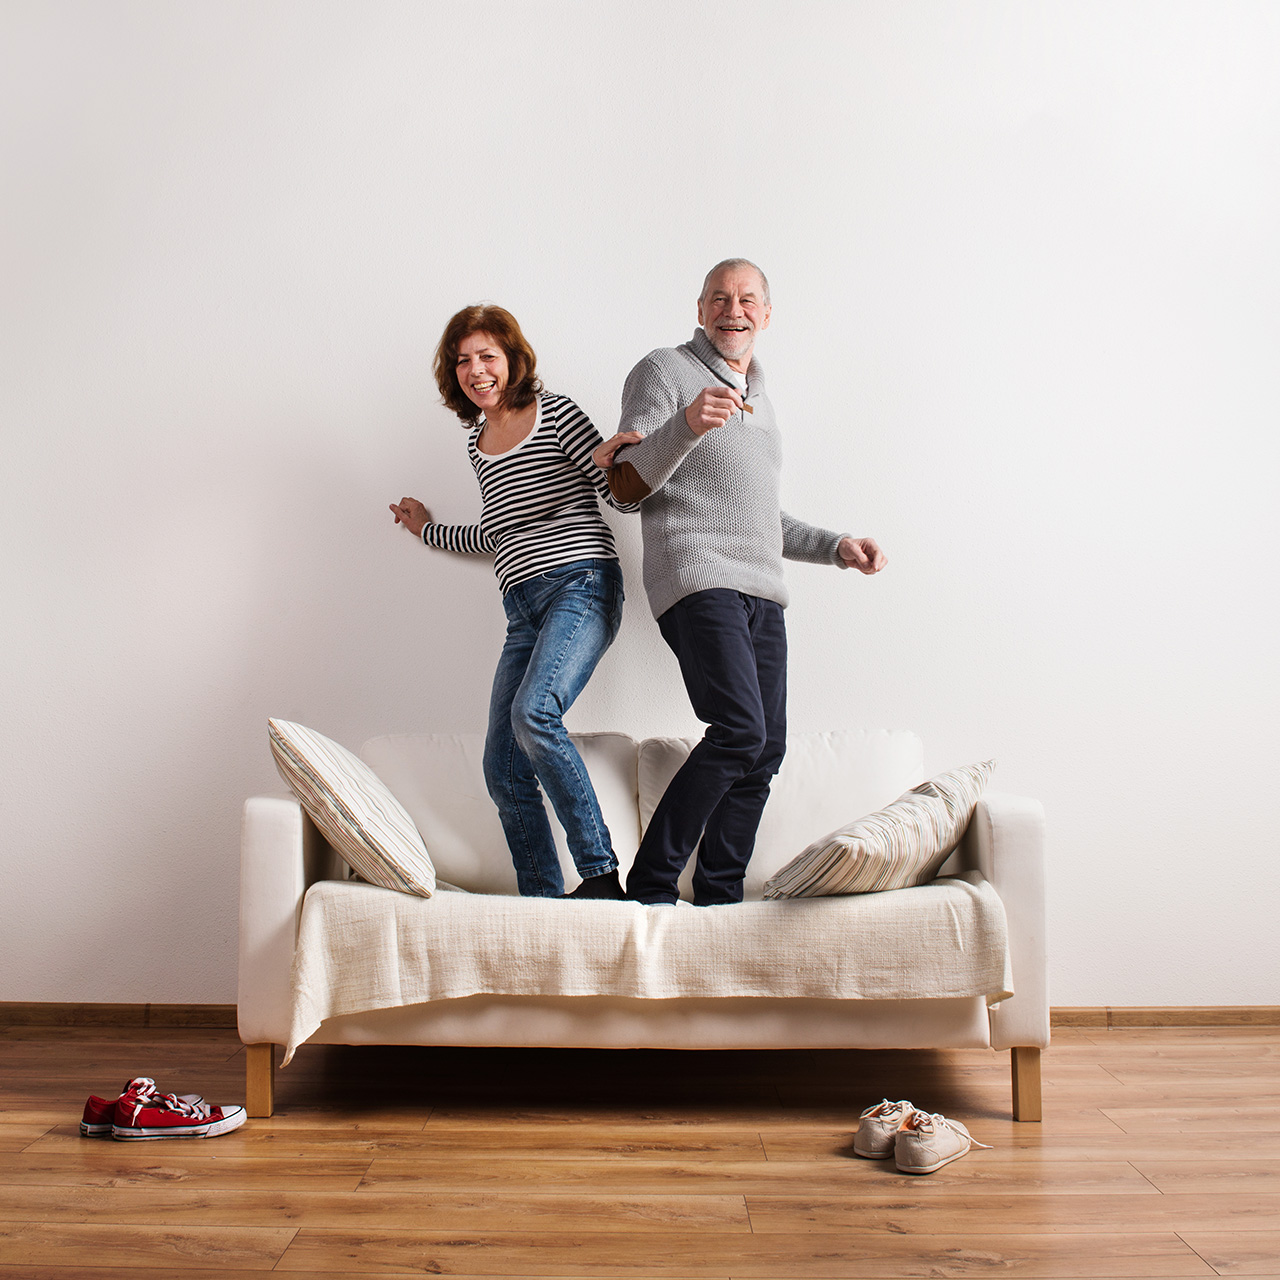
714 516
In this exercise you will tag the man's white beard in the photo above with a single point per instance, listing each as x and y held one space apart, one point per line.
721 340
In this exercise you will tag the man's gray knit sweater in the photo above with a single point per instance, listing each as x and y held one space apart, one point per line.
714 517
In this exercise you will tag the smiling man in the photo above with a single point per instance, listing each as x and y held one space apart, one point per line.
706 468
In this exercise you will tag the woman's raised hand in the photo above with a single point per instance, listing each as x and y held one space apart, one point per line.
603 456
412 514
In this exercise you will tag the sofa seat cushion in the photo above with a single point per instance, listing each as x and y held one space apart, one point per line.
362 948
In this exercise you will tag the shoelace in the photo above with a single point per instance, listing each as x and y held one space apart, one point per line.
927 1121
142 1093
171 1102
885 1108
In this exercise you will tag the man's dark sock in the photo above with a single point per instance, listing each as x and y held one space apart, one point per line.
603 886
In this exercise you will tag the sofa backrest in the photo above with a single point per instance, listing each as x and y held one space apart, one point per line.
826 780
439 778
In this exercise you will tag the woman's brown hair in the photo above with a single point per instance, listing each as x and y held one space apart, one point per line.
523 383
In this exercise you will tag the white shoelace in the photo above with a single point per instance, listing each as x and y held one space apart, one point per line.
144 1094
171 1102
927 1121
885 1108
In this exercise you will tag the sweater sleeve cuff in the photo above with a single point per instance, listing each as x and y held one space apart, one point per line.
810 543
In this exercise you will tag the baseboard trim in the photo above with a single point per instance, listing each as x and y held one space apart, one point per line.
23 1013
1109 1018
50 1014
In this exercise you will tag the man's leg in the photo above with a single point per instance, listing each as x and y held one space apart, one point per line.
730 836
709 632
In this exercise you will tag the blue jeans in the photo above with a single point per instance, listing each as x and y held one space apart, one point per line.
558 626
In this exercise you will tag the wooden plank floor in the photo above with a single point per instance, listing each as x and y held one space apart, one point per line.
1159 1156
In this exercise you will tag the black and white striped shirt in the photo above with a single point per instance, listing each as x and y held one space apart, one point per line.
539 506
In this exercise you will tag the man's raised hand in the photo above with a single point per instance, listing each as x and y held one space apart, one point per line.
863 554
712 407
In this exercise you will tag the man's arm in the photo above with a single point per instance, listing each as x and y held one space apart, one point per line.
809 542
626 486
671 432
814 545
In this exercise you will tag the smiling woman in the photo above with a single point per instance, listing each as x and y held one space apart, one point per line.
561 588
484 344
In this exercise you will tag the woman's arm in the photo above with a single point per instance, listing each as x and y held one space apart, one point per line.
471 539
580 440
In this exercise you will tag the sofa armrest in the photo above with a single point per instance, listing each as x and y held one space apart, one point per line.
1006 843
281 854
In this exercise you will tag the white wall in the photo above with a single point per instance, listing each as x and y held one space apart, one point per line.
1024 261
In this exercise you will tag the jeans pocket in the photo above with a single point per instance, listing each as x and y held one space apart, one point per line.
575 568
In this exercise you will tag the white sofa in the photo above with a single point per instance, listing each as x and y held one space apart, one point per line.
867 971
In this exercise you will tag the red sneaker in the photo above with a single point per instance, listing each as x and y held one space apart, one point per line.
143 1113
100 1113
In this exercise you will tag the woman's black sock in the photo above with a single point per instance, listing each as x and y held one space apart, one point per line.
604 886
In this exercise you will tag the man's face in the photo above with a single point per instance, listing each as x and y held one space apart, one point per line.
733 311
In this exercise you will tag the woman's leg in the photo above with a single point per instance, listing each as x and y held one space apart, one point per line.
507 771
579 610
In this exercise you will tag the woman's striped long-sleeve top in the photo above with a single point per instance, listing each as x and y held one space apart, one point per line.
539 500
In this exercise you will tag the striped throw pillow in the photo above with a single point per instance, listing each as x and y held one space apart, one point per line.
354 810
899 846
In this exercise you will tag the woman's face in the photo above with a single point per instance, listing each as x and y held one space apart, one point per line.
482 370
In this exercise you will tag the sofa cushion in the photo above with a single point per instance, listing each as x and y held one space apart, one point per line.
439 778
359 817
824 778
360 948
902 845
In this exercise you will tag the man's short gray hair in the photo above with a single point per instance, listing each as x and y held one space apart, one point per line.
735 262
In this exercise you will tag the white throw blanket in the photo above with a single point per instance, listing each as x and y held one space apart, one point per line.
362 948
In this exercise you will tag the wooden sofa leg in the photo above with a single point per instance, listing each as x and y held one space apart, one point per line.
259 1079
1026 1084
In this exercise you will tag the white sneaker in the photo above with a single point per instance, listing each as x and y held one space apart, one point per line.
926 1142
878 1127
